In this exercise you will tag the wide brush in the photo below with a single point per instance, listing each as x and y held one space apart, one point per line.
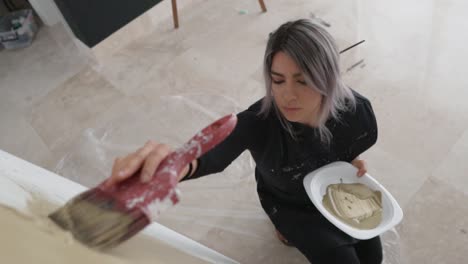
105 216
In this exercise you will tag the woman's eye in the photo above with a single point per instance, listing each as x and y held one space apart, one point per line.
278 81
302 82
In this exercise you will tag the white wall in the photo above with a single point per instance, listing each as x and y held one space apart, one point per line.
47 11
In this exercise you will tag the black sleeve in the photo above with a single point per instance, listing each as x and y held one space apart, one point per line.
363 132
243 137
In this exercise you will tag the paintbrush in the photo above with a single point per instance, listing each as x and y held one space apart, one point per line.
105 216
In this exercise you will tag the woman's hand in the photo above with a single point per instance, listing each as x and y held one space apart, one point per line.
146 158
360 164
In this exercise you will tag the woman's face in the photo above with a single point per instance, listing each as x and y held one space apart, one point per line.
297 101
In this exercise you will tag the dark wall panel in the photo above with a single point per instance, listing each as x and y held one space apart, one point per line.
94 20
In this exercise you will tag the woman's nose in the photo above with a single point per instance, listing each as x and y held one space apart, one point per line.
289 92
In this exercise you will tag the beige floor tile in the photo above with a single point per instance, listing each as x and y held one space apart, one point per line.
399 176
407 79
121 129
27 75
453 168
20 139
128 68
435 227
63 113
410 127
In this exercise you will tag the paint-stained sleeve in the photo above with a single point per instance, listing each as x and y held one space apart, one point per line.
243 137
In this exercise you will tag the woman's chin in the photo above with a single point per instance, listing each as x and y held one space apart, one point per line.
291 117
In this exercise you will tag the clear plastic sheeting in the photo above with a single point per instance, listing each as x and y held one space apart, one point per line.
391 245
221 211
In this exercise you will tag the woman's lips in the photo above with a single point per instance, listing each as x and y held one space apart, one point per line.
291 109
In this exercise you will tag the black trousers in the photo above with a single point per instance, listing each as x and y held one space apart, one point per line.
315 237
363 252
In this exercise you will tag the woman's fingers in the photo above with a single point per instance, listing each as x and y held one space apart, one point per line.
362 172
136 160
127 166
115 176
361 166
153 160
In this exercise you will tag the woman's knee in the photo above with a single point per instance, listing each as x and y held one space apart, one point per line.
374 257
370 251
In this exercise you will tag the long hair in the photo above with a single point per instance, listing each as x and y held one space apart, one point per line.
316 54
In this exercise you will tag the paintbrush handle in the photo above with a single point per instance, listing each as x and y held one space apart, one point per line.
160 191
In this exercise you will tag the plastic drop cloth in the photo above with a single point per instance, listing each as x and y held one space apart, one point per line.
221 211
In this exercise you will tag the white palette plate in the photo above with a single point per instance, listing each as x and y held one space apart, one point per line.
316 184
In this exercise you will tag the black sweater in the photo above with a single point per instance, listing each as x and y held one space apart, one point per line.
281 161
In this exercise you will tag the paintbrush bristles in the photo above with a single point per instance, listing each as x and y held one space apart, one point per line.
96 223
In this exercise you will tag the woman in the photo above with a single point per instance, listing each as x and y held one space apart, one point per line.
307 119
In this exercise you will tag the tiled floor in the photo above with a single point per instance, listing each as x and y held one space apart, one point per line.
72 113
